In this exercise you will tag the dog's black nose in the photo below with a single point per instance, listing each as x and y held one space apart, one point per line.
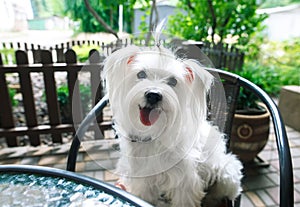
153 96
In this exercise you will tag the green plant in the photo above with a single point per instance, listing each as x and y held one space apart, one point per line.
8 56
64 102
86 97
82 51
284 56
143 27
63 95
12 92
107 10
201 19
270 65
264 77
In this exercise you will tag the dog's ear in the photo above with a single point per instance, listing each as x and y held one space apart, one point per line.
189 76
200 82
130 59
119 59
196 71
115 66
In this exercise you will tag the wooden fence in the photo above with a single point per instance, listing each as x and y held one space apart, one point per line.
55 127
34 59
221 55
224 56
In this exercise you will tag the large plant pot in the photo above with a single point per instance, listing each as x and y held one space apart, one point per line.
249 135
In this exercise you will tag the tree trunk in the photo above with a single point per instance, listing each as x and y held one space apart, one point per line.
99 19
151 24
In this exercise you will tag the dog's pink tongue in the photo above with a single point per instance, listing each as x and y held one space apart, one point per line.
149 116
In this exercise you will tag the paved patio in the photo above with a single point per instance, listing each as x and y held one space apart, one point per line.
97 158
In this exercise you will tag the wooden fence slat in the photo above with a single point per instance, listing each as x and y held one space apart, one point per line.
96 86
46 57
6 114
53 107
74 97
94 56
226 55
36 56
70 56
29 105
60 55
234 58
241 62
73 85
28 97
51 95
21 57
97 90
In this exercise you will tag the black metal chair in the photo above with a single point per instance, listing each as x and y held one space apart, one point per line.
232 84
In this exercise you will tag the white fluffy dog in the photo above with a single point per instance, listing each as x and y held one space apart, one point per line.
170 154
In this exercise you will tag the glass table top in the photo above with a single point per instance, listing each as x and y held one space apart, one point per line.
36 190
35 186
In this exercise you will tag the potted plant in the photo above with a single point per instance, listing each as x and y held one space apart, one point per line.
250 129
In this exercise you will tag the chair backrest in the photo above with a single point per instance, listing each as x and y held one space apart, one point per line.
232 84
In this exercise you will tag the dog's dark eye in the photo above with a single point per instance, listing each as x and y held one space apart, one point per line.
141 75
172 81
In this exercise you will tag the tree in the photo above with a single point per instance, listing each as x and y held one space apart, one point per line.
153 14
200 19
99 19
100 15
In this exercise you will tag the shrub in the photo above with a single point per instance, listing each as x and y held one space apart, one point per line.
12 92
285 58
82 51
8 56
264 77
270 65
64 103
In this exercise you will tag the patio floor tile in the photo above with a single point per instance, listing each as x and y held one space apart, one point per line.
255 199
109 176
274 193
52 159
258 182
30 161
96 158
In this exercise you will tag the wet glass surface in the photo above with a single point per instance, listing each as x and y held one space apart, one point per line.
36 190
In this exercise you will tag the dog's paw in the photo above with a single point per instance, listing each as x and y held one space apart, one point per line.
231 178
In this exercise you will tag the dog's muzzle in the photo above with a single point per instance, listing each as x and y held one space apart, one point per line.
150 113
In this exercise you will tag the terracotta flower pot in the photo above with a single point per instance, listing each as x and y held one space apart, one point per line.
249 135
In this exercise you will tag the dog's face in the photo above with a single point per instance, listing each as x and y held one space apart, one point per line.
152 92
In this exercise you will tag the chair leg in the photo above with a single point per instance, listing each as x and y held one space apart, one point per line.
257 163
226 203
237 201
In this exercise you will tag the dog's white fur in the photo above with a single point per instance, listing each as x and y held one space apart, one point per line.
180 159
